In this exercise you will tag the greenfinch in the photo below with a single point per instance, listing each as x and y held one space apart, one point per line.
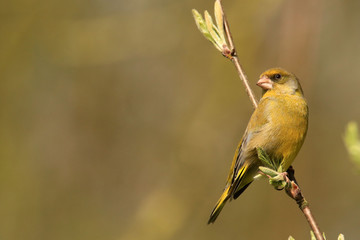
278 126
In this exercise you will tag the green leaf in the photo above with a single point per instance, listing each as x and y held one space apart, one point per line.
267 161
352 142
312 235
291 238
213 31
341 237
200 23
219 17
277 184
264 158
278 178
268 171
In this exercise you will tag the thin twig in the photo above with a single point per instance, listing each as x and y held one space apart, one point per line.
294 192
231 54
312 223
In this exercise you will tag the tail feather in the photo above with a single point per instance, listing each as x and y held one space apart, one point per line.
233 190
241 190
219 205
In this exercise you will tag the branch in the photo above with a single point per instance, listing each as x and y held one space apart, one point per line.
235 59
221 37
294 192
273 170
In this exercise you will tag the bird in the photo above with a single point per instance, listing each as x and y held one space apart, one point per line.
278 125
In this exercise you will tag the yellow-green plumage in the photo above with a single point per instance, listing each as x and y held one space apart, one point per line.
278 126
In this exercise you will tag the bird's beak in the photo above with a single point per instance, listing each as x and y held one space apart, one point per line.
265 83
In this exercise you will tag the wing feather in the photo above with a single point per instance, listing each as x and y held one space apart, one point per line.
245 153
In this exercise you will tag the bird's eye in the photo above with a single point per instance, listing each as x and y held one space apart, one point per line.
277 76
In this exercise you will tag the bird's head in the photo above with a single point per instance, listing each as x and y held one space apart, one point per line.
279 80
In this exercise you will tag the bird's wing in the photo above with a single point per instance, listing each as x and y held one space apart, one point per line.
245 148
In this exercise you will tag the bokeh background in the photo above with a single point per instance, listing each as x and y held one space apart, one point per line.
119 120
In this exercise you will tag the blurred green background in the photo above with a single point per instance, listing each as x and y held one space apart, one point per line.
119 120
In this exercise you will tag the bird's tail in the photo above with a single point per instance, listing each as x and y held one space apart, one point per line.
219 205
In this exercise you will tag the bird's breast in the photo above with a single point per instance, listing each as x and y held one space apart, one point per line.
287 127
